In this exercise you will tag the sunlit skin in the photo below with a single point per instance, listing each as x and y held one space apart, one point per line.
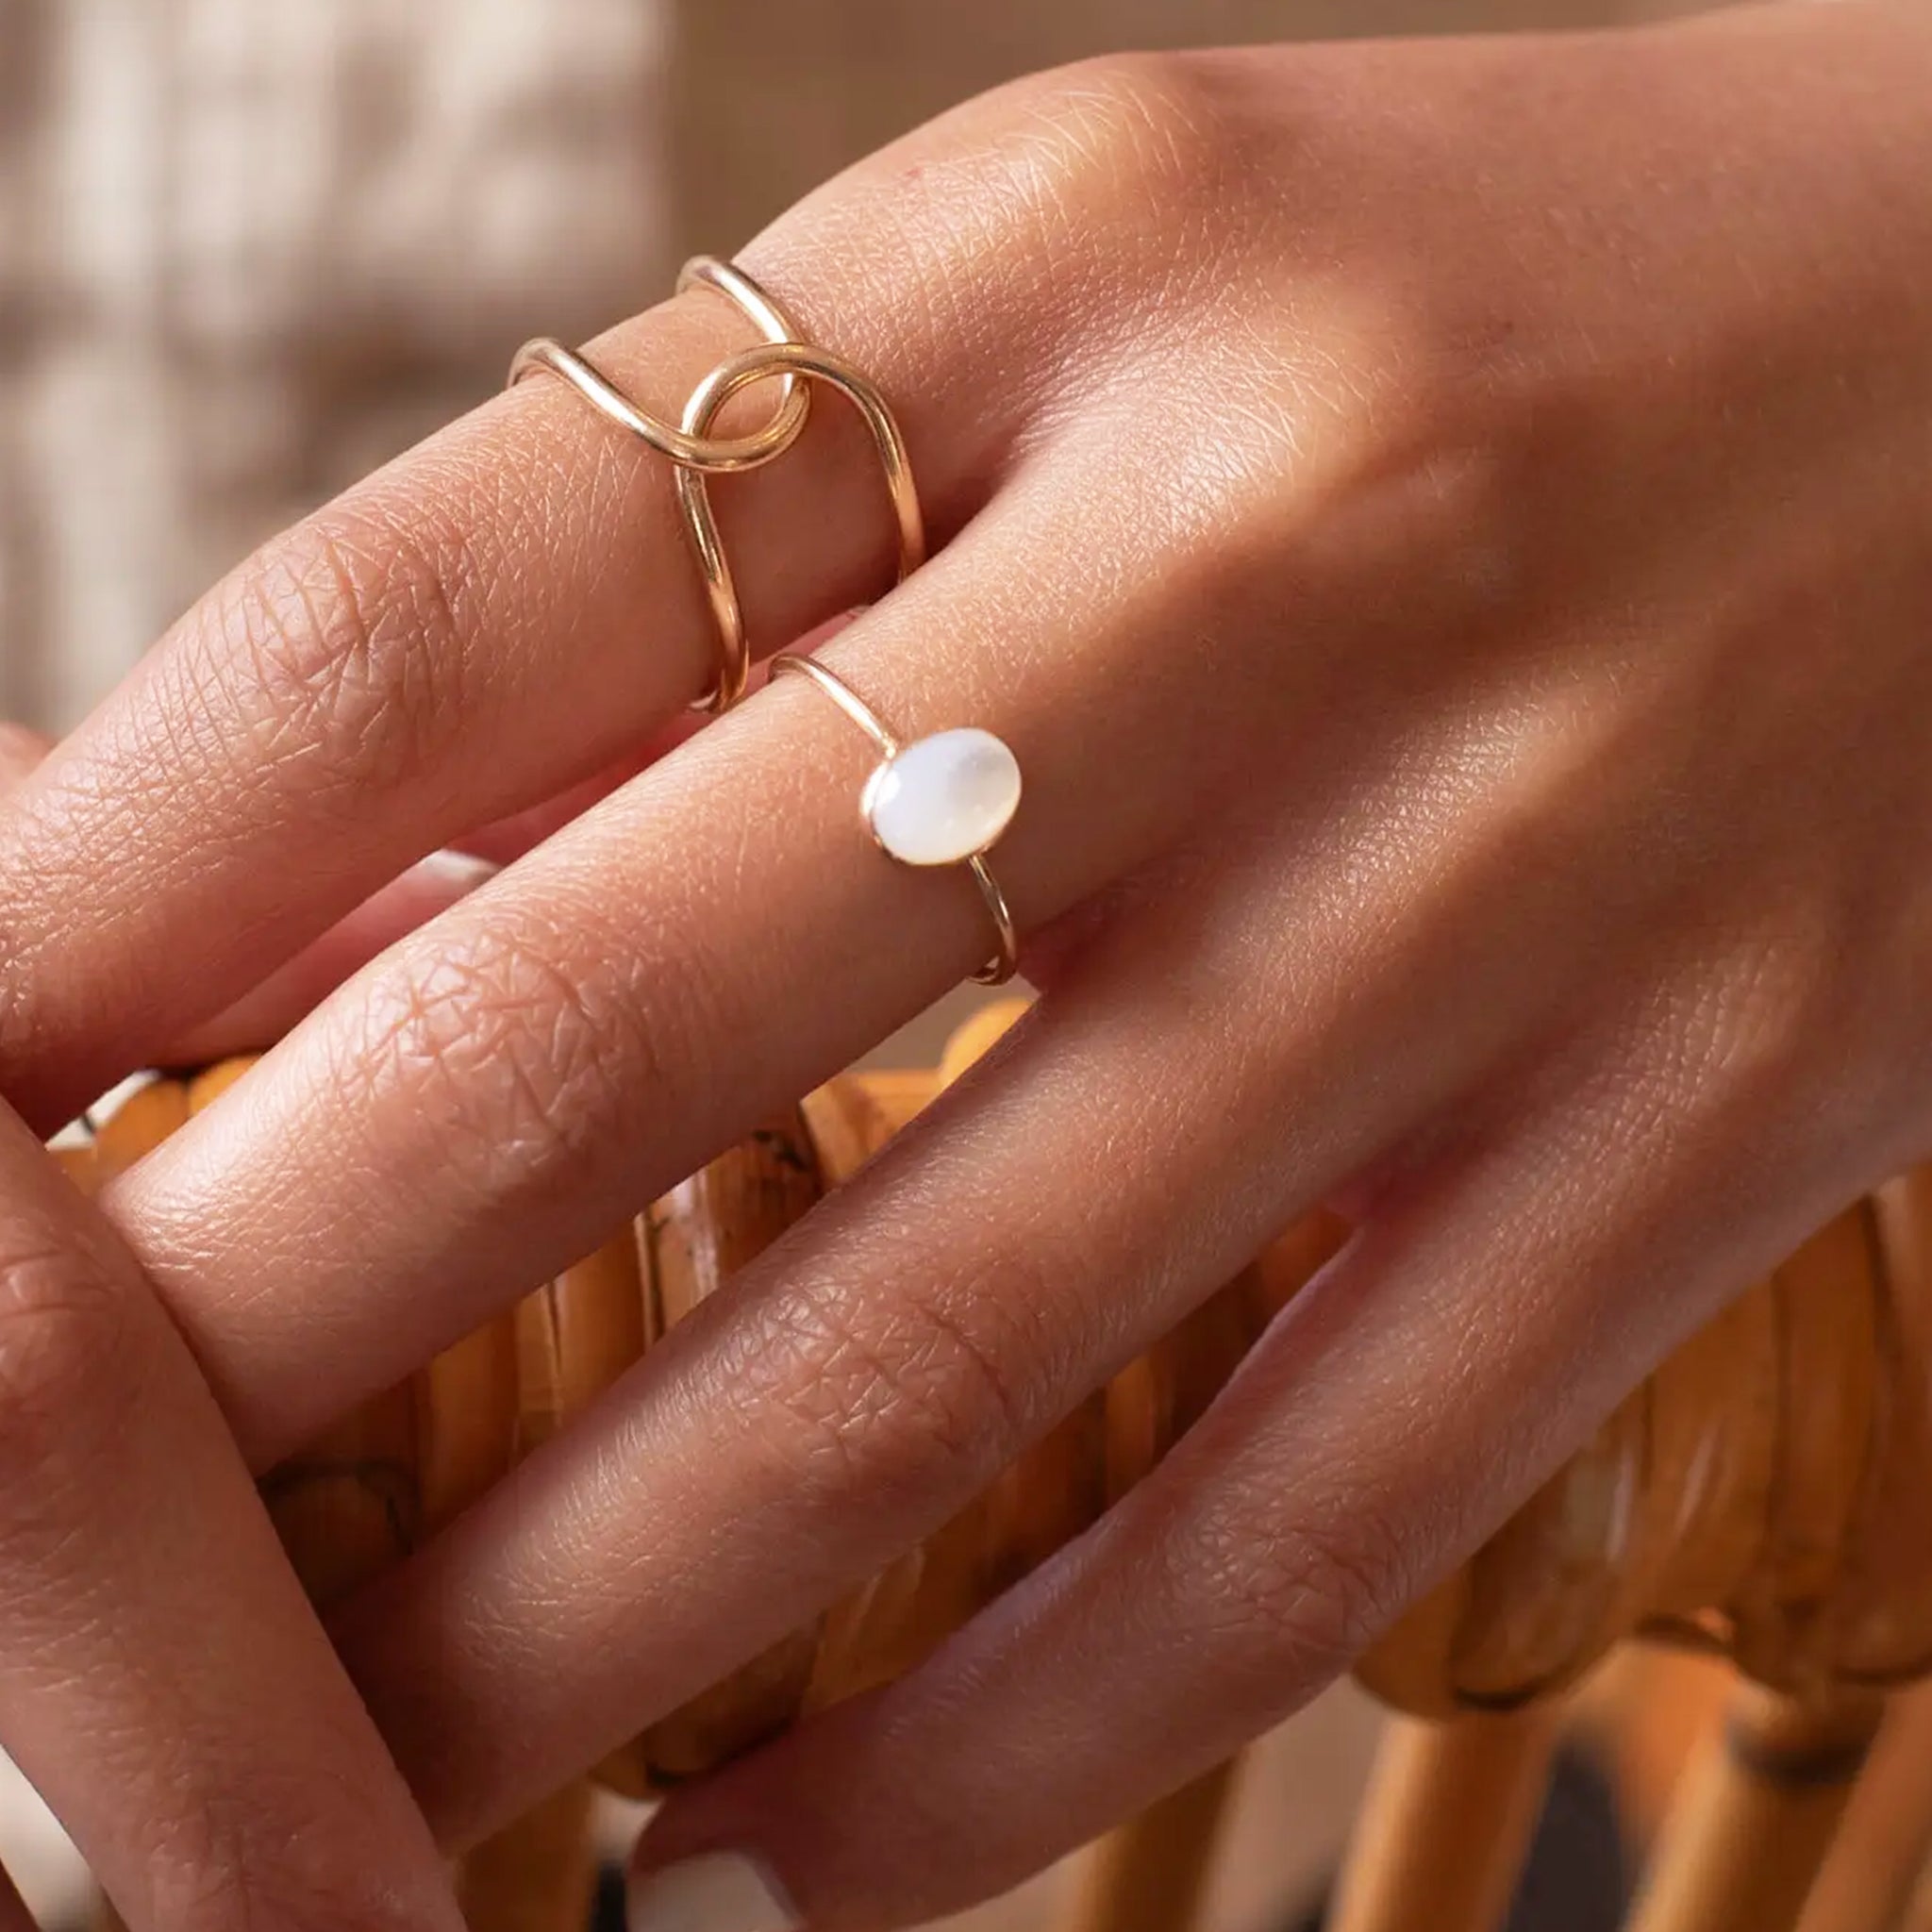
1445 529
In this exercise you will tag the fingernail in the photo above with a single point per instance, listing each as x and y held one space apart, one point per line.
720 1891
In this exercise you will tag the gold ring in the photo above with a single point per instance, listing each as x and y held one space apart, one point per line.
943 799
723 452
696 454
792 361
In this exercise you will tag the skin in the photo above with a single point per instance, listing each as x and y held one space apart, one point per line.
152 1638
1443 526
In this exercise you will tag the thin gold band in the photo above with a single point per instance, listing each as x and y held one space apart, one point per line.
723 452
792 361
1006 962
698 455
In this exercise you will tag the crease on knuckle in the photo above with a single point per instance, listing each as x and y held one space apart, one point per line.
1296 1603
196 1867
525 1065
339 649
201 1870
899 1395
1727 1045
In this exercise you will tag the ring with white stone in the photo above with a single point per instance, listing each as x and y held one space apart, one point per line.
942 800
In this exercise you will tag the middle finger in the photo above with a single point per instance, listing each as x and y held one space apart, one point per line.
862 1380
483 1105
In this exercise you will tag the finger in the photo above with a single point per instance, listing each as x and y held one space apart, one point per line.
714 940
510 838
507 840
870 1374
496 616
263 1014
1390 1420
267 1012
162 1681
720 936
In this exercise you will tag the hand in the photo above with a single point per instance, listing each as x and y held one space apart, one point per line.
162 1679
1444 528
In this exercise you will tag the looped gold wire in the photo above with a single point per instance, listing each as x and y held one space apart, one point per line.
721 453
697 454
792 359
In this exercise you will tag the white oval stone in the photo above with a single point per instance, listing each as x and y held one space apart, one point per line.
944 798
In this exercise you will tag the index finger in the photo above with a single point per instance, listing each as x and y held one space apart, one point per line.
498 615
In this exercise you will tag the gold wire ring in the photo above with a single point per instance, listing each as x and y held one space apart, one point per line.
1004 963
719 454
792 361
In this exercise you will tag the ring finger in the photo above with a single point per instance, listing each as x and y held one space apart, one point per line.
483 1105
856 1385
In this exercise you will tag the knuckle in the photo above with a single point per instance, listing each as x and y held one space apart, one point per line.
339 647
895 1394
1148 126
1783 1002
64 1342
1296 1603
1076 160
1733 1042
527 1064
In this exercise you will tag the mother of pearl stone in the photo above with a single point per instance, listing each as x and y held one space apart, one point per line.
944 798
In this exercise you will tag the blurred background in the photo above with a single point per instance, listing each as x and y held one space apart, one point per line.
251 248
